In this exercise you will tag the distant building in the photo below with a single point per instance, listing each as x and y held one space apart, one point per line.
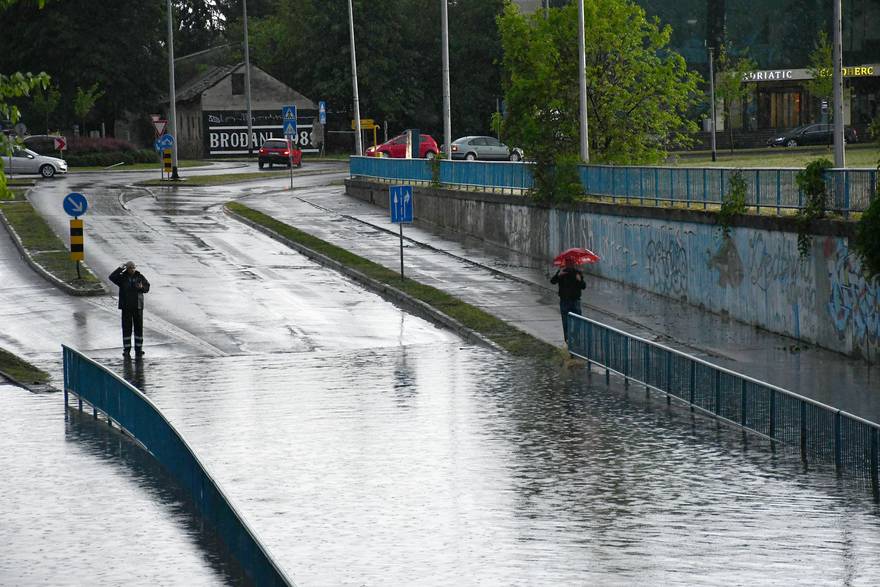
212 112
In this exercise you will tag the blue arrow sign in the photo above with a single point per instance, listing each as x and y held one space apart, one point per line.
401 204
166 141
75 204
322 112
288 120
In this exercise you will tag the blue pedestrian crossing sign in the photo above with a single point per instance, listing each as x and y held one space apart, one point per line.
401 204
322 112
75 204
288 120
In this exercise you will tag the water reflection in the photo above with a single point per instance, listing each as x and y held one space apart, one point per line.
133 372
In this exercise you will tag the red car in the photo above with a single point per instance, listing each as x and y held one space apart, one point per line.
396 148
274 151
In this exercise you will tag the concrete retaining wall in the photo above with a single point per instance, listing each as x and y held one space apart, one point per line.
755 275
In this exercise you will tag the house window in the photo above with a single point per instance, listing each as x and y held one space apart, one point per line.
237 84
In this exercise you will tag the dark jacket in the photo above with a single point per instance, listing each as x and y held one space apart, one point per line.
569 286
132 288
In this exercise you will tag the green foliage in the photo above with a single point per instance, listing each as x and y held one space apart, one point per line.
733 202
729 85
638 90
867 239
822 84
85 101
435 169
105 159
811 181
45 102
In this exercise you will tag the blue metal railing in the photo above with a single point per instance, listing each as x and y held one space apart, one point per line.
850 190
823 433
134 412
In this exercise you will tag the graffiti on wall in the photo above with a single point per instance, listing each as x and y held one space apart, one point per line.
781 264
854 304
728 263
668 266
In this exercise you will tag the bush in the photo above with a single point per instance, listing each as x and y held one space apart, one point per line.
867 239
812 182
98 145
733 202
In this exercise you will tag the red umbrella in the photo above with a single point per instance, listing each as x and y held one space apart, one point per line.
575 257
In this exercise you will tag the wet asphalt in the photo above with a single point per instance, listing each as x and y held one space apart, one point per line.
370 447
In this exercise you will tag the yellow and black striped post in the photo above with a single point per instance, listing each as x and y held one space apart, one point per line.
77 253
166 160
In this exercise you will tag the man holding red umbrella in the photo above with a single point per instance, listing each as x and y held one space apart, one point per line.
571 282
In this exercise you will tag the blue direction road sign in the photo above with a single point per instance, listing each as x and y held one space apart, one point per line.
288 120
166 141
322 112
75 204
401 204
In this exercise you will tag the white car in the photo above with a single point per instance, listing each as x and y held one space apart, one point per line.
25 161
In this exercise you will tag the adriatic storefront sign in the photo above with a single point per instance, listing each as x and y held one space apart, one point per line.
772 75
227 131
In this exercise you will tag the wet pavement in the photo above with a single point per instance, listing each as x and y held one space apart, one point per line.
368 447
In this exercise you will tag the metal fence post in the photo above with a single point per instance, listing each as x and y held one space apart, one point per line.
758 191
846 194
642 186
705 194
626 362
647 364
837 431
607 356
743 404
874 480
589 346
778 191
772 413
656 186
668 389
717 392
687 179
693 383
803 431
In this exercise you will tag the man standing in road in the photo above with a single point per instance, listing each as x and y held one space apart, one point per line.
571 283
132 287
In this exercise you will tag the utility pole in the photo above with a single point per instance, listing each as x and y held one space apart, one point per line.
447 115
712 99
172 94
354 85
247 83
582 75
837 80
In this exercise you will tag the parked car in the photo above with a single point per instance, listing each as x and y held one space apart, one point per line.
812 134
276 152
484 148
396 148
42 144
25 161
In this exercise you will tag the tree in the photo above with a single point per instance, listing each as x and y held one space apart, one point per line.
84 103
44 103
821 68
730 84
638 89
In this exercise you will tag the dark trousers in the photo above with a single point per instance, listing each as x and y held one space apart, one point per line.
132 319
566 306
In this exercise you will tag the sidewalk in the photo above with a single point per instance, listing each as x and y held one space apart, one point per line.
516 289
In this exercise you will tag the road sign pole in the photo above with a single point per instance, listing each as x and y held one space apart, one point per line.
401 250
290 160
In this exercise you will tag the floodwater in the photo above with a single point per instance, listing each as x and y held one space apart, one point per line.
450 464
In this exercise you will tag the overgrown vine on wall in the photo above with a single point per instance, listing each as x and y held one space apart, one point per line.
811 182
733 202
435 170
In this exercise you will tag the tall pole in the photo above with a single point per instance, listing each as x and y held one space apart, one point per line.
354 84
582 75
837 79
172 94
546 4
247 83
712 100
447 115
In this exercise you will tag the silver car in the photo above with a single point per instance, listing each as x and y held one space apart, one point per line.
25 161
484 148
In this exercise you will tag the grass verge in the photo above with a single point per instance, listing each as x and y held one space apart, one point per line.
142 166
21 370
44 246
209 180
508 337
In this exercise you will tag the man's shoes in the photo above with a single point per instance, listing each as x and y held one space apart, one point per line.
139 352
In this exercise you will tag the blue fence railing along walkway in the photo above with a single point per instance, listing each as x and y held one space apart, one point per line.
776 189
823 433
133 411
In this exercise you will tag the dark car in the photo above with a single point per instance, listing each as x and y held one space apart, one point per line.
396 148
276 152
812 134
42 144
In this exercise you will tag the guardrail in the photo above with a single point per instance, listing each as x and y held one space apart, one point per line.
823 433
134 412
850 190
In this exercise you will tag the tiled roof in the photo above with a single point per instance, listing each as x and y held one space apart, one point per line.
195 87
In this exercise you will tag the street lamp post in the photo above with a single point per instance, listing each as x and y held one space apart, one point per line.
712 100
447 115
837 80
247 83
172 94
582 78
354 84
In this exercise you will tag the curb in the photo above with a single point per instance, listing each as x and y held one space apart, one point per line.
386 291
99 290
